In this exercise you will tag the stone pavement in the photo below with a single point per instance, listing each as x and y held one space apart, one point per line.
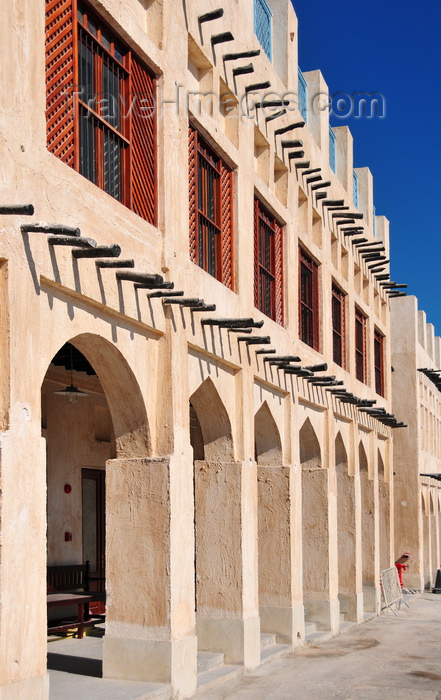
388 658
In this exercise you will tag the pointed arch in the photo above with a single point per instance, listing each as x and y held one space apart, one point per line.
380 465
267 437
432 509
123 394
341 455
362 458
214 422
310 453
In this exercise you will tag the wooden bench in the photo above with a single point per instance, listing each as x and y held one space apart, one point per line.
68 578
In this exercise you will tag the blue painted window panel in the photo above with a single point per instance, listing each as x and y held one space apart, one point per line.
303 96
263 19
332 150
355 188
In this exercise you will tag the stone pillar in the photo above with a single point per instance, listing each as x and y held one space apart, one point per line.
370 583
23 560
149 556
347 568
426 552
318 598
384 519
223 622
278 615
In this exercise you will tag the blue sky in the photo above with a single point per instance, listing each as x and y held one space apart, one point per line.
392 48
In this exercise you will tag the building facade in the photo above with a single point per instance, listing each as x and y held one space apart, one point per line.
203 263
417 459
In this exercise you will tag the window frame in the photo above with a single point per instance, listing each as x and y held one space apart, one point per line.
309 307
273 273
266 236
206 156
379 342
101 126
75 34
339 334
360 345
263 26
220 217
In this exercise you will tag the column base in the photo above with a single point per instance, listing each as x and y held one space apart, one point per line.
371 598
239 640
36 688
325 613
286 623
172 662
351 605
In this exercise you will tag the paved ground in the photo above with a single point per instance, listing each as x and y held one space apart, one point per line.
392 658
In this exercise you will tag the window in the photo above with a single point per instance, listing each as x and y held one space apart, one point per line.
100 106
302 95
355 188
308 300
379 362
338 325
332 150
360 346
268 263
263 25
211 210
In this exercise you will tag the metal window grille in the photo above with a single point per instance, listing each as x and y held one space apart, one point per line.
263 26
303 96
355 188
332 150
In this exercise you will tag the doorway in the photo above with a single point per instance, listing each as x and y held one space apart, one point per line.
93 517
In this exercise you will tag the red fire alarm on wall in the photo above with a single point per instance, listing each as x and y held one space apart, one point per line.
68 537
67 488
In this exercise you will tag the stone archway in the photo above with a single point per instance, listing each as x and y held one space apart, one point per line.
138 512
346 533
274 528
367 486
315 529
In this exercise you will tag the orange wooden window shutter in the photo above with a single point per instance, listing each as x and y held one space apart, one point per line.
256 253
143 141
278 254
192 157
226 226
60 80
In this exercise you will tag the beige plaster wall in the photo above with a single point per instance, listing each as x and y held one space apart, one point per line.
152 361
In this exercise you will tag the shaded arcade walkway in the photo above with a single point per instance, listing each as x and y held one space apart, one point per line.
388 657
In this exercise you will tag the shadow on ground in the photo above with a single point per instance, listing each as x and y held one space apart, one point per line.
75 664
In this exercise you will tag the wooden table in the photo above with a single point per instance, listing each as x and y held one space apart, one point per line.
58 600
